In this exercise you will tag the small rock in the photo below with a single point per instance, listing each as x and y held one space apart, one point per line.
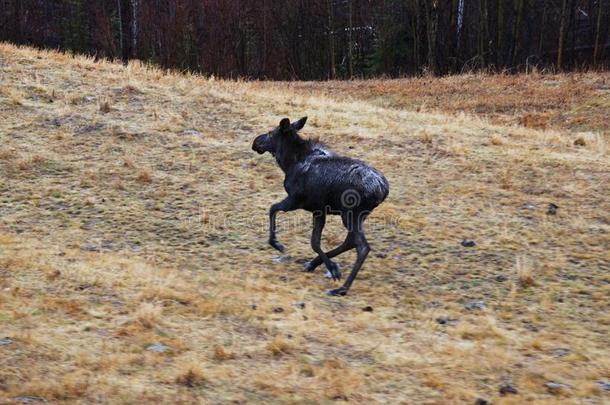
135 247
53 275
508 388
368 308
89 225
529 206
278 310
555 387
561 352
158 348
531 328
90 247
479 305
468 243
300 305
26 399
6 341
84 286
191 132
444 320
107 244
481 401
580 142
604 385
281 259
501 278
91 128
552 209
381 255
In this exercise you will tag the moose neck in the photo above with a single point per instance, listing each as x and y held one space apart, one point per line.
286 162
292 150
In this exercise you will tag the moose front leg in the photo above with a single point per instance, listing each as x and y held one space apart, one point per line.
285 205
319 220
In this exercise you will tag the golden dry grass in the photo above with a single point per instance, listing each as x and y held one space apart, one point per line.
134 267
573 101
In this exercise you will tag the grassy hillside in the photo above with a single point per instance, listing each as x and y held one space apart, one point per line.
573 102
134 265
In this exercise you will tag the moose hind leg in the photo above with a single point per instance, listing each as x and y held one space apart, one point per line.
348 244
348 221
319 220
362 249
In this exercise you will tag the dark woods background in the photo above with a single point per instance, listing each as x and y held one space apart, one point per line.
321 39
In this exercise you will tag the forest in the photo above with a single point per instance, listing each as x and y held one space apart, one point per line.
321 39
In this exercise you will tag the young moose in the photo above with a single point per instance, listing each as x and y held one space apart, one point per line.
319 181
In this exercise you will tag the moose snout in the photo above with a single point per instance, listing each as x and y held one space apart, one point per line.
256 148
258 144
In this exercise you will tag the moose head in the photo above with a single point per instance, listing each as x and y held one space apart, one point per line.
270 141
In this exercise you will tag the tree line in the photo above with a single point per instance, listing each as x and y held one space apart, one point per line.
321 39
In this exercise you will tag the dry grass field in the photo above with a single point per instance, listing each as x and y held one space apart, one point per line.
134 266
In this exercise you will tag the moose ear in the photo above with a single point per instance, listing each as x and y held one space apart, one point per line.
299 124
285 124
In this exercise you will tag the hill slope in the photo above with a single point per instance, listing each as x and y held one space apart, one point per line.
134 264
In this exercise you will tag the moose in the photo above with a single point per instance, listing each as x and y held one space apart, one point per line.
323 183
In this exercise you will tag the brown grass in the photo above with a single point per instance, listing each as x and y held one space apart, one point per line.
574 101
191 376
524 272
118 232
279 346
144 176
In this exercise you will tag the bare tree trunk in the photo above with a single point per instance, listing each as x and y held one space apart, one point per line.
598 32
331 40
416 38
432 28
18 13
460 20
542 24
480 45
487 44
350 43
134 28
453 15
264 37
483 31
120 13
517 30
562 34
500 35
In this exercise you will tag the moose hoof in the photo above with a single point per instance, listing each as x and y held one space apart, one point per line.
339 292
333 272
276 245
309 267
